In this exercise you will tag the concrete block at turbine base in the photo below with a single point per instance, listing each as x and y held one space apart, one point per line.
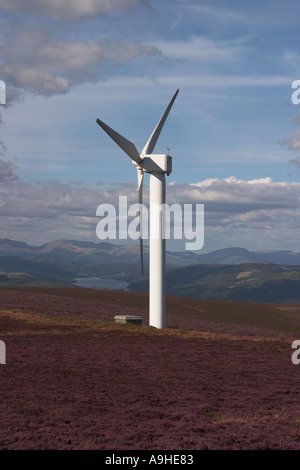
132 319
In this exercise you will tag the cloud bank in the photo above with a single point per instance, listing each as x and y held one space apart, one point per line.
260 211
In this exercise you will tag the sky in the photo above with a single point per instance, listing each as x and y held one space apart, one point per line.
233 131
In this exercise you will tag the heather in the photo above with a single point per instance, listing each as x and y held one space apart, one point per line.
75 380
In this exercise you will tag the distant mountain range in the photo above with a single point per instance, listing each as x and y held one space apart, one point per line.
89 253
90 259
230 273
60 262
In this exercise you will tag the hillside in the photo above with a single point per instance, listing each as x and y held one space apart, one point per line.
223 316
220 377
92 259
231 273
29 272
254 282
238 255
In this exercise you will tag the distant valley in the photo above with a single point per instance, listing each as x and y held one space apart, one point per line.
230 273
67 259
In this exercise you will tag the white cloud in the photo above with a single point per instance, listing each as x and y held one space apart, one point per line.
234 180
55 65
245 213
70 10
253 16
209 81
242 196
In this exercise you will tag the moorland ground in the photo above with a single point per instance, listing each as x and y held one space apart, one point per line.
220 376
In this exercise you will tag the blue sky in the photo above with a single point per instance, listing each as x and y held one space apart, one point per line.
233 131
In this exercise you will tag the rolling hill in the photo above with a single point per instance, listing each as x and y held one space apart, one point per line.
29 272
256 282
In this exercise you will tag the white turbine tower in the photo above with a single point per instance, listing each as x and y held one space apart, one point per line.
157 166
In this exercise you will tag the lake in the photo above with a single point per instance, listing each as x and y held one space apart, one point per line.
96 282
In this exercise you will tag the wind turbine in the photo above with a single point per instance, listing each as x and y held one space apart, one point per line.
158 166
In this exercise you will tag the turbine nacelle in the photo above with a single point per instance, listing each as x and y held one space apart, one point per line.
155 164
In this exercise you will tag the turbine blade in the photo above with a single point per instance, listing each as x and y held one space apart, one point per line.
122 142
140 175
149 147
